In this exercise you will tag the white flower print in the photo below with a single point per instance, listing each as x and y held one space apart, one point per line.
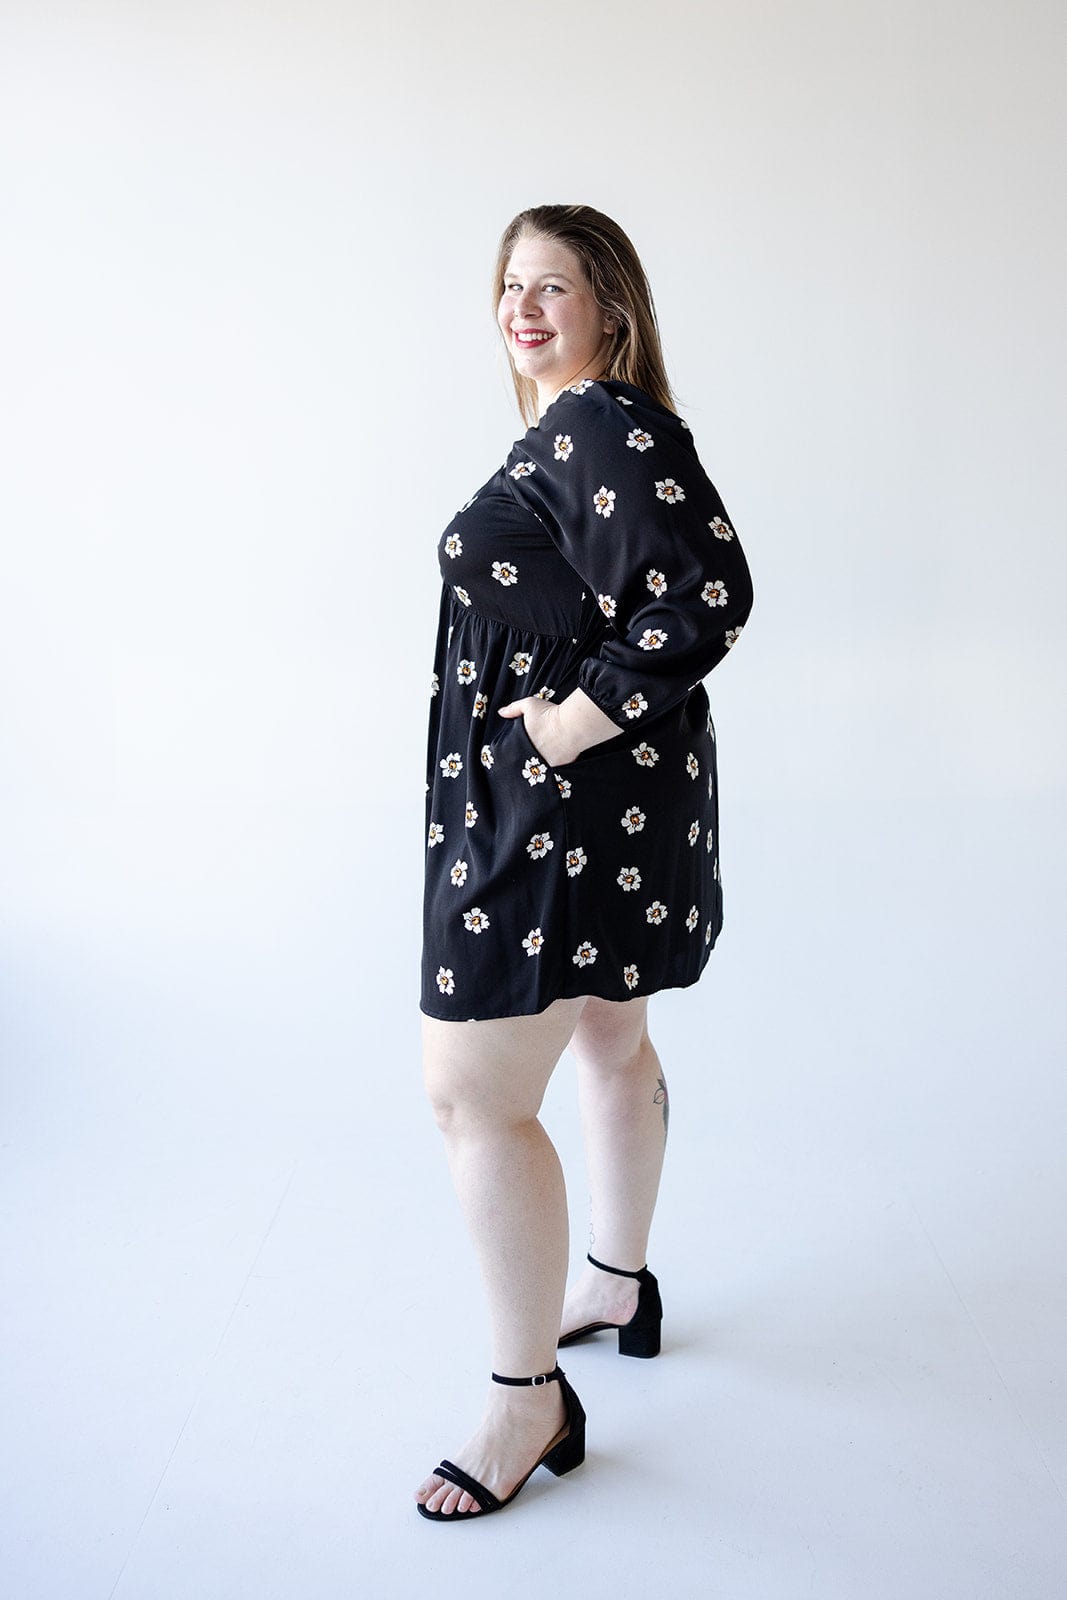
720 528
466 672
715 870
539 846
544 693
458 874
534 771
635 705
638 439
581 386
604 501
576 860
634 820
470 816
694 832
563 785
631 976
520 663
732 636
670 491
487 756
533 942
585 955
523 469
454 544
656 582
606 602
621 398
692 765
653 639
711 727
692 919
709 785
564 446
435 835
481 700
505 572
707 934
711 840
452 765
462 593
445 980
475 920
644 755
656 913
630 878
714 592
435 684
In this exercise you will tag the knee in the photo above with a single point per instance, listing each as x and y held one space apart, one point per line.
446 1107
616 1055
464 1101
445 1103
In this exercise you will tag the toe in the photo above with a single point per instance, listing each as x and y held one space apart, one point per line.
439 1496
428 1486
449 1497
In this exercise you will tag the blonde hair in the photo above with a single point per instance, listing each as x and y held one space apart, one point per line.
618 282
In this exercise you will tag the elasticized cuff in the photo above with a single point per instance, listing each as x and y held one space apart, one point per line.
588 682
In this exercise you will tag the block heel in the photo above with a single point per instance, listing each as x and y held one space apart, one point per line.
570 1452
641 1335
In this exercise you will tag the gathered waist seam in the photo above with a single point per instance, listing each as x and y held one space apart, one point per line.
462 610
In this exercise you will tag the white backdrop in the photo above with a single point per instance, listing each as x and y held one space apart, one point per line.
250 370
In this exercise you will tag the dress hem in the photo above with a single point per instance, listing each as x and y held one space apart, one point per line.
500 1016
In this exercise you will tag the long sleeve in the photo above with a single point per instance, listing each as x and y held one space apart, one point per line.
617 482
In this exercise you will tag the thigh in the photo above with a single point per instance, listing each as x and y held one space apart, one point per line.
610 1032
502 1065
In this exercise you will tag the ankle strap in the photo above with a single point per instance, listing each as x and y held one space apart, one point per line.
619 1272
537 1380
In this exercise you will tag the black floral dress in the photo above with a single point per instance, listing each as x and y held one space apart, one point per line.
598 555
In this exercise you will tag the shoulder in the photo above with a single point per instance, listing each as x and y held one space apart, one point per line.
603 415
604 401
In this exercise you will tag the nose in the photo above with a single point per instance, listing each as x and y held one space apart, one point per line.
528 302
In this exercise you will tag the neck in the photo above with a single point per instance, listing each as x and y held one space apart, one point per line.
545 396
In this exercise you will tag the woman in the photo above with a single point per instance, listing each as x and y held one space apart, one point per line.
572 820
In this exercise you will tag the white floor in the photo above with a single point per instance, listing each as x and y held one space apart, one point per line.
242 1318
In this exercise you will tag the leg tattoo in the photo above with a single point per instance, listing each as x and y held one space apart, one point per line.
660 1099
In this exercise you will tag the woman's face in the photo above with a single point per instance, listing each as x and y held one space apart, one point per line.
546 294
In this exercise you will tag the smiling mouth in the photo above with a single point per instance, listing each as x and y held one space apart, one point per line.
528 340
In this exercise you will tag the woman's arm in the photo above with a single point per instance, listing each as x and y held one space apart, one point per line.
625 498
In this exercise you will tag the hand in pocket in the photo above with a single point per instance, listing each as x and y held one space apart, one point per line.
544 728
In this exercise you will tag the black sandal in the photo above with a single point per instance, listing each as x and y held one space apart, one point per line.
564 1452
641 1335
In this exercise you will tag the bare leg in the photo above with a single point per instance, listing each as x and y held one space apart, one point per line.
486 1081
623 1099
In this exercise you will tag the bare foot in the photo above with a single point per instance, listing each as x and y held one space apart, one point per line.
598 1297
517 1427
